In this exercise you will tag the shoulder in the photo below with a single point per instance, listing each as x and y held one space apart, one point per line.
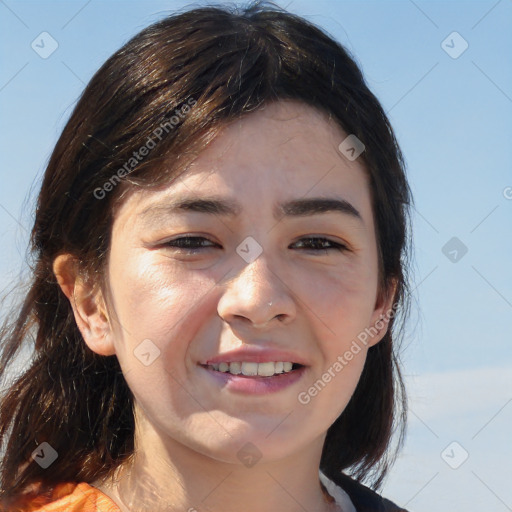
72 497
363 498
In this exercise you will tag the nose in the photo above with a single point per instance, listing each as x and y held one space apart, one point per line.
257 297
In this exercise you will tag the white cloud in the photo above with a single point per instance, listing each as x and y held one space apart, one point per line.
438 396
472 407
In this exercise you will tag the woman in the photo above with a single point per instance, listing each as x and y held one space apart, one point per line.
220 244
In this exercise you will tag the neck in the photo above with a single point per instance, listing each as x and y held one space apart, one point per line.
167 475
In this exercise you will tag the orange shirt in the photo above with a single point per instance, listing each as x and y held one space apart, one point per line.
73 497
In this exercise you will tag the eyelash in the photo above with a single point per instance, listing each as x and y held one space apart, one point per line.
185 244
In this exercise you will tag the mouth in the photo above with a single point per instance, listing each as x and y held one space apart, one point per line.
253 369
253 378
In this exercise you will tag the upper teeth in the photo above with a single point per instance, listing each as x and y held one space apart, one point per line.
253 369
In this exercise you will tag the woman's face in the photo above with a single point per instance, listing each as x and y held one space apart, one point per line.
268 278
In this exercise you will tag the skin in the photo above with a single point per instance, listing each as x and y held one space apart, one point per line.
193 307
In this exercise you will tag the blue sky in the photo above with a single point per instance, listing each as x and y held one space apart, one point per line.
452 114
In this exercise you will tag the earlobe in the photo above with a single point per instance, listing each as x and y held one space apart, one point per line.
88 305
383 313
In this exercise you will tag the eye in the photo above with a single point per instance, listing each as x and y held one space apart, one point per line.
321 244
196 244
190 244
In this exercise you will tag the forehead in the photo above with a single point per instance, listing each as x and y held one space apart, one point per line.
281 132
284 152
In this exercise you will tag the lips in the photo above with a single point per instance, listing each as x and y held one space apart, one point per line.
255 370
256 355
255 384
252 369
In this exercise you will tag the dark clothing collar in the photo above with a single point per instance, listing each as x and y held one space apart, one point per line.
363 498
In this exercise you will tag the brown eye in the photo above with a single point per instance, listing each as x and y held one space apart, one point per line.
320 244
190 244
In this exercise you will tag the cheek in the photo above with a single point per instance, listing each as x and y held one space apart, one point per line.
156 301
156 309
144 290
344 294
141 303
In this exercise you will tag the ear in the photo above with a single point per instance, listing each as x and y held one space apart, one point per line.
88 305
382 314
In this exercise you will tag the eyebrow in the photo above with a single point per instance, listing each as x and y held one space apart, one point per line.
226 207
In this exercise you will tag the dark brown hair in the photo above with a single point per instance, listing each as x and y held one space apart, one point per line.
226 62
